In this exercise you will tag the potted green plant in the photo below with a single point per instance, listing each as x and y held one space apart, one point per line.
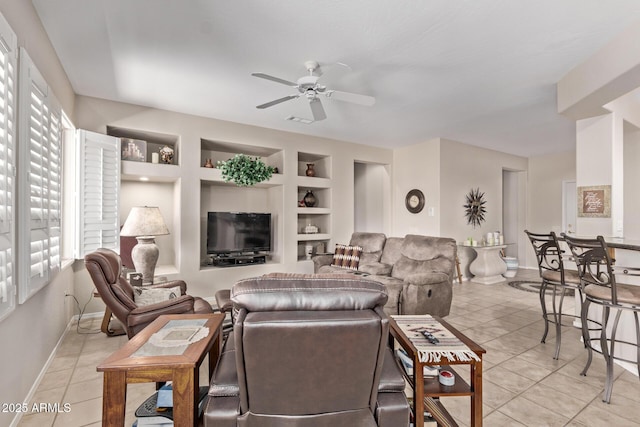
244 170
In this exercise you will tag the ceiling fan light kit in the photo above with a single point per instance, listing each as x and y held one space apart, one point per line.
309 87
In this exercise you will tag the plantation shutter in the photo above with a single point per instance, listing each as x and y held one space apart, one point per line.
8 63
40 180
98 187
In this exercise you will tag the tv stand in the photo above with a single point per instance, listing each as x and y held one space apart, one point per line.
237 260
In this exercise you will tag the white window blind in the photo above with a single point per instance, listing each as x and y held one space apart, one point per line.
8 63
98 186
39 181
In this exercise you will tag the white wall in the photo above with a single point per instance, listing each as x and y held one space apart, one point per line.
370 181
594 166
30 333
462 168
631 179
544 208
417 166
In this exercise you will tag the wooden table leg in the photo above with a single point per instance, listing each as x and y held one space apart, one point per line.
476 398
418 393
458 269
114 399
186 389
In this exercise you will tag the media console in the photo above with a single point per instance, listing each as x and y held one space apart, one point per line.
238 260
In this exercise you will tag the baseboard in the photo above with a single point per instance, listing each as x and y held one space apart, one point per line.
43 371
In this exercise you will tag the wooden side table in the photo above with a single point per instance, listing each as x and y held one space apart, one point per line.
127 365
427 391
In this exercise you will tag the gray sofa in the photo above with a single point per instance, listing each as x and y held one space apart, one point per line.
417 271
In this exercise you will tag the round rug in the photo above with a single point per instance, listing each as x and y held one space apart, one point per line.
529 286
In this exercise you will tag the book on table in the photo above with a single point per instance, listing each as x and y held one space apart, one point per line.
407 364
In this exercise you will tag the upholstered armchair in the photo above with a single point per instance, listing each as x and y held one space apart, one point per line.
104 267
307 351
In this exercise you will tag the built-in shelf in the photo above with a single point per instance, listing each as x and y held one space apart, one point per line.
313 237
153 142
217 151
154 172
320 163
314 211
214 175
320 183
314 182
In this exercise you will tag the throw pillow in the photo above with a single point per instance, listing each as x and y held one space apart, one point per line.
347 256
147 296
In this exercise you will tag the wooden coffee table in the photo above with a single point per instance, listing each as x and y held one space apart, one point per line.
131 364
427 391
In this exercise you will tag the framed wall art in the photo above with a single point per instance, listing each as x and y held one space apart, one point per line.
594 201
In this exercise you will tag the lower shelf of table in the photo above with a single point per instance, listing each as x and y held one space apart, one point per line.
433 388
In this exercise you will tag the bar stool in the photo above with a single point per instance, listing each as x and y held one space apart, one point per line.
596 269
553 273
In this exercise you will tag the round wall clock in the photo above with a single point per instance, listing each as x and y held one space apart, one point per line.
474 208
414 201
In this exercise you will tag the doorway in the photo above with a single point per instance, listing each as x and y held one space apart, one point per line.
513 212
371 189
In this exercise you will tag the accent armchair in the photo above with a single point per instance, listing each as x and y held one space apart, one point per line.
307 351
104 267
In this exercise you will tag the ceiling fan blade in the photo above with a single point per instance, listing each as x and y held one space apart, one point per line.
351 97
276 101
317 109
275 79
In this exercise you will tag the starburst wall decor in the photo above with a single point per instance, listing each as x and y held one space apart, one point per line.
474 208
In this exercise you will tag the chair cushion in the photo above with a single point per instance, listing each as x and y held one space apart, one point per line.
371 244
627 294
376 268
571 277
347 256
147 296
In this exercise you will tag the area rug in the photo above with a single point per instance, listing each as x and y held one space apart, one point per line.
530 286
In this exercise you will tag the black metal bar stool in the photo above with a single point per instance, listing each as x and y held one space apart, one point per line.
554 276
596 269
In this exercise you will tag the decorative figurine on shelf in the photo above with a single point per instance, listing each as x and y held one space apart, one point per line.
208 164
311 229
310 170
166 154
309 199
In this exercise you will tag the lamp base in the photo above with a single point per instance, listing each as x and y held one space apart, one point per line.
145 257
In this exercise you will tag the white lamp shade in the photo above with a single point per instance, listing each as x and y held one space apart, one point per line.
144 221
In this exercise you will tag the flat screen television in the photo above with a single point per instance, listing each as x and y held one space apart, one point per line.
238 232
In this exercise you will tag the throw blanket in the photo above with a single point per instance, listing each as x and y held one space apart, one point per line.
448 345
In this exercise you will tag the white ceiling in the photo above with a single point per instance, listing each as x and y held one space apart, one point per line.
482 72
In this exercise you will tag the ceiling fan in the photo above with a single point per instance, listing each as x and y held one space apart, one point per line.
308 87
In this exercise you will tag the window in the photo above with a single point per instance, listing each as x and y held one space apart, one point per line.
8 62
39 181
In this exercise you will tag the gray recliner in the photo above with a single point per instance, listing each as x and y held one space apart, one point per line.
307 350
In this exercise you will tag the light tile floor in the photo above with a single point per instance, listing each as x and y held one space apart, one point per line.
523 384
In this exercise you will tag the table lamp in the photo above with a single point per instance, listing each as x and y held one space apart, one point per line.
144 223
